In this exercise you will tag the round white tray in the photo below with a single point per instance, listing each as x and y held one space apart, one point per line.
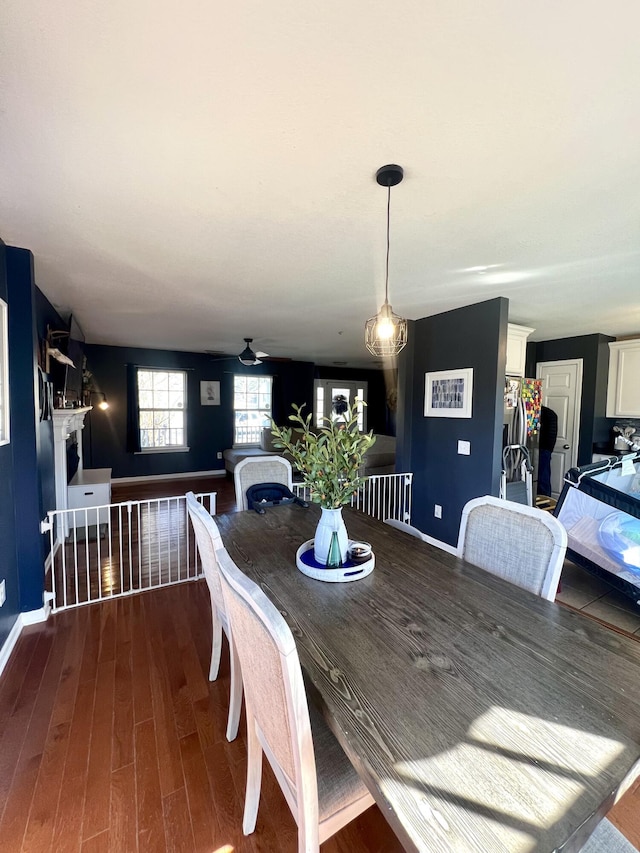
351 571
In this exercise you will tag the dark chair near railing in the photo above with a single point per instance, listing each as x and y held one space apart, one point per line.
319 783
519 543
209 541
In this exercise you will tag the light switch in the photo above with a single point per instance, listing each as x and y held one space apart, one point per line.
464 448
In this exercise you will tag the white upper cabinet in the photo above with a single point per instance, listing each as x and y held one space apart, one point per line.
517 348
623 389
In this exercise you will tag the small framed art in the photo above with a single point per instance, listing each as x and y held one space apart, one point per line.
210 392
448 393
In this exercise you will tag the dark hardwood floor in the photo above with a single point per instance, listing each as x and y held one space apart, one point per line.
113 739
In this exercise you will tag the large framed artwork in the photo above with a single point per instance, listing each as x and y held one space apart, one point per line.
448 393
4 374
210 392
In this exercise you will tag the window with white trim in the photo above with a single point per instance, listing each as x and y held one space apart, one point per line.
162 409
251 407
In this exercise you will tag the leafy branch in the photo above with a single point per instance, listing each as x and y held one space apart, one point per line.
328 458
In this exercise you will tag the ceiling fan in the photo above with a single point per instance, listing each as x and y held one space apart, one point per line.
248 357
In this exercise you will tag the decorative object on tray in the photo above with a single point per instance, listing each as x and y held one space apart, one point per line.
352 569
329 460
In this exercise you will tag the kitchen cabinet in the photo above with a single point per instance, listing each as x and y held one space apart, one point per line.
517 348
90 487
623 388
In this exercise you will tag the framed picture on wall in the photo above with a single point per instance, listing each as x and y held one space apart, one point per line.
210 392
448 393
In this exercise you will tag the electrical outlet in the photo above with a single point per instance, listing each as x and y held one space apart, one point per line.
464 448
3 593
437 511
219 454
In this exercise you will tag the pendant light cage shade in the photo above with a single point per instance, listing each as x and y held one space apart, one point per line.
386 333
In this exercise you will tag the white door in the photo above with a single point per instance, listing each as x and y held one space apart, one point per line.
562 392
330 395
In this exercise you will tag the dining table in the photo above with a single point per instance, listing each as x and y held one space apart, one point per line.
480 716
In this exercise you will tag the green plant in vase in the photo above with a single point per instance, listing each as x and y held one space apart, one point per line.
330 459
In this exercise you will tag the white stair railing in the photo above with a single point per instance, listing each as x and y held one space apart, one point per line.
125 548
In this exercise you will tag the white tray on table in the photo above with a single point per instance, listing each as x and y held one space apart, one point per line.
350 571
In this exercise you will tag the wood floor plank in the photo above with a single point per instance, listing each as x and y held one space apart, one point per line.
96 805
123 816
177 823
625 815
178 688
170 763
151 835
15 728
108 616
142 700
16 813
229 807
37 731
123 713
16 671
100 843
204 822
46 792
67 835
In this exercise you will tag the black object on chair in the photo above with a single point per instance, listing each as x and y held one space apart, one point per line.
271 494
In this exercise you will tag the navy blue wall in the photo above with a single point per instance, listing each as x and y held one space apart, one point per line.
209 428
474 336
8 557
30 459
595 427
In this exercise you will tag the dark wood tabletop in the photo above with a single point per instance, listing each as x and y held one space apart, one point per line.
481 717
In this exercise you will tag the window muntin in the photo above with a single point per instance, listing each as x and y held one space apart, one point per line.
162 403
251 408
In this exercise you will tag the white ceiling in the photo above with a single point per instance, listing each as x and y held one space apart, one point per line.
191 173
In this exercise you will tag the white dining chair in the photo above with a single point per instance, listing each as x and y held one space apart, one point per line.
209 543
260 469
607 838
319 783
519 543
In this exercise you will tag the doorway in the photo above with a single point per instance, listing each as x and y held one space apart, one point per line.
562 392
333 396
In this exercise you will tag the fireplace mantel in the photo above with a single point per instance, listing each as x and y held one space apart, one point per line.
65 422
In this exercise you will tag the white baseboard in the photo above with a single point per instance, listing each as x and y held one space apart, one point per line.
186 475
31 617
9 643
439 544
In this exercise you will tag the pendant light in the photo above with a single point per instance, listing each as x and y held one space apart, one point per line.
386 333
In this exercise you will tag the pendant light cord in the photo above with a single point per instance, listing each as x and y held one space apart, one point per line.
386 277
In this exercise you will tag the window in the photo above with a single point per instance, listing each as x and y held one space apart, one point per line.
332 398
4 374
251 408
162 403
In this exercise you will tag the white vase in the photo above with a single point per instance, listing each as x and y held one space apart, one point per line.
331 520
